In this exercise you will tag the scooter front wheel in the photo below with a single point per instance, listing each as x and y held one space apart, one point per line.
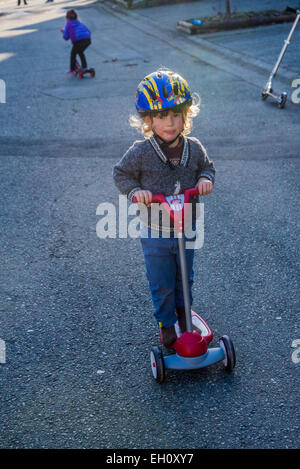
228 348
157 364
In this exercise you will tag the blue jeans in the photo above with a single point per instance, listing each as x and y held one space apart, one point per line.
164 276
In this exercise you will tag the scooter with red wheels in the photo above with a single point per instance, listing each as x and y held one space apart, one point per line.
81 72
191 347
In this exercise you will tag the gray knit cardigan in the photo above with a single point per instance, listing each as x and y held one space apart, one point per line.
145 166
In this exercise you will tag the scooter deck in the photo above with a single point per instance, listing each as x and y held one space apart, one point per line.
212 355
90 71
177 362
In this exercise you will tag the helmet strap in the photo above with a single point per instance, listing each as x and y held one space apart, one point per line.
168 143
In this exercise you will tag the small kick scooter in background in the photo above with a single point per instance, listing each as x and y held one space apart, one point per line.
268 91
191 346
80 71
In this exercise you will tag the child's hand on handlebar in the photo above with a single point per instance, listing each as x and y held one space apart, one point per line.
205 186
143 197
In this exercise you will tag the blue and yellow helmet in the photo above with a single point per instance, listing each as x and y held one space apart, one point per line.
162 90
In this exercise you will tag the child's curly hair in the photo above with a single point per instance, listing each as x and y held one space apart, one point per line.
188 113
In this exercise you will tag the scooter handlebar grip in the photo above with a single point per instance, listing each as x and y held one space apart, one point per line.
156 198
191 193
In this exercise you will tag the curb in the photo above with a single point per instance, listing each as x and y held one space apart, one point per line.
257 20
145 3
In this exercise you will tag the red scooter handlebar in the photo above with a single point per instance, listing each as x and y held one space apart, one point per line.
160 198
175 211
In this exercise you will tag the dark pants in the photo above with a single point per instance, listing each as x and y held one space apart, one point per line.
19 2
78 48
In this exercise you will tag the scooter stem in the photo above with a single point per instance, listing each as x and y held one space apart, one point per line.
286 43
185 285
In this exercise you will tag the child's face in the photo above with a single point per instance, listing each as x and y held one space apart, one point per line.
168 126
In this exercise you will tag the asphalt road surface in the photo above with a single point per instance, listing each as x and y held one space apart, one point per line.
76 314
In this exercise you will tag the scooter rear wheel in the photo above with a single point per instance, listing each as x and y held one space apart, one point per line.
282 100
227 345
157 364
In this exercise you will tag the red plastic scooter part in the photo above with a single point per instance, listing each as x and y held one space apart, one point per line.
177 217
190 344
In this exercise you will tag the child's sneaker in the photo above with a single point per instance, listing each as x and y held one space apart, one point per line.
71 72
168 336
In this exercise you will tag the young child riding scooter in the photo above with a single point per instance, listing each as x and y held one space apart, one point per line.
166 161
80 36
